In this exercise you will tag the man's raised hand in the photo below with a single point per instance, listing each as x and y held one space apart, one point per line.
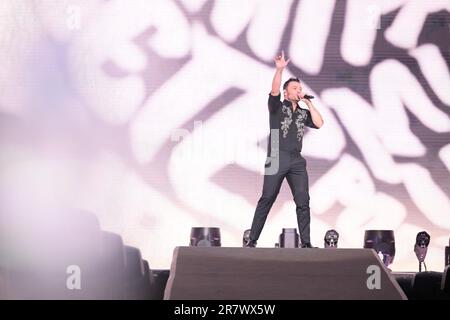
280 63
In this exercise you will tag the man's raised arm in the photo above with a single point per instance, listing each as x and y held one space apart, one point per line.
280 64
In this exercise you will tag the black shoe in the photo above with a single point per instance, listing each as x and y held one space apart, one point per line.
250 244
307 245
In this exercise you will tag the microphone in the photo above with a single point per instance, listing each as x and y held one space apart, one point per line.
307 96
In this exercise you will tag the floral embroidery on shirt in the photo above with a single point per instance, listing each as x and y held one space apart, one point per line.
286 123
300 123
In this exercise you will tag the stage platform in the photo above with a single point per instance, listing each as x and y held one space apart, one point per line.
221 273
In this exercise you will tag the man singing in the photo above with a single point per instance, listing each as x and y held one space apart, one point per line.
287 121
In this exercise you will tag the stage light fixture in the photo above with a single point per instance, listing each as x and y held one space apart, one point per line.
383 242
246 237
447 254
289 238
421 248
331 239
205 237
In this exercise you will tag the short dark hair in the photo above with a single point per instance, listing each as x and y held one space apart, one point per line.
285 85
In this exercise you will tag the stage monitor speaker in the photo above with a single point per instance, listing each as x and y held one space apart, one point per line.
220 273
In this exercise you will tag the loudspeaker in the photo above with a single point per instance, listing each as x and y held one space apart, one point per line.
427 286
218 273
159 283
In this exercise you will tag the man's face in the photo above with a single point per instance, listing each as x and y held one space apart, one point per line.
293 91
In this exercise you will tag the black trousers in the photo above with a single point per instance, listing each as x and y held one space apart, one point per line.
291 166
